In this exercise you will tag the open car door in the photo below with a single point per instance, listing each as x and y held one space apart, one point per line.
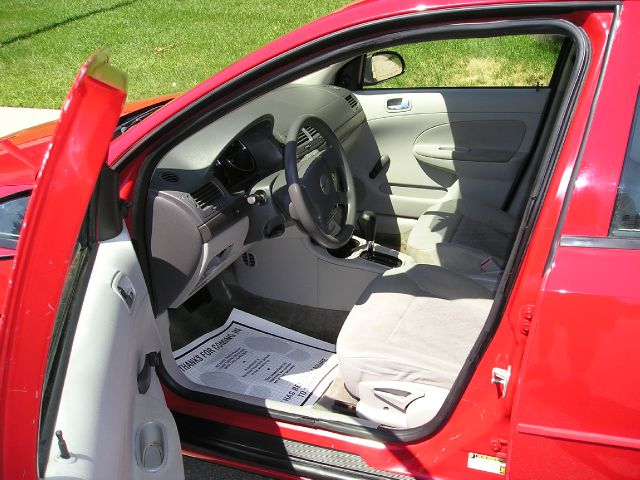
79 396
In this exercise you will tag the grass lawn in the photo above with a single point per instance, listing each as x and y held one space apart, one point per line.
508 61
164 46
170 46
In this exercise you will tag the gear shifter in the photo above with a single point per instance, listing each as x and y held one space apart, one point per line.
367 224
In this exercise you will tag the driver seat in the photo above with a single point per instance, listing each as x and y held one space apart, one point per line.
406 340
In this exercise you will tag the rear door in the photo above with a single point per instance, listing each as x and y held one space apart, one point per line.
76 398
576 412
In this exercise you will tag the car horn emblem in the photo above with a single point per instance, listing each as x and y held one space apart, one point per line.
325 184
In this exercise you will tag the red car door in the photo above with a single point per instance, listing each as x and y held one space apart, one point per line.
576 408
71 330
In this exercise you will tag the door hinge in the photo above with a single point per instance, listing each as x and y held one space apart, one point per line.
525 318
499 445
500 377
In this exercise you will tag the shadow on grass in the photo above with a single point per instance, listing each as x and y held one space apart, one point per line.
66 21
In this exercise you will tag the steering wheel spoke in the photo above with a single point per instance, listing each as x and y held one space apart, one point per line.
331 157
324 199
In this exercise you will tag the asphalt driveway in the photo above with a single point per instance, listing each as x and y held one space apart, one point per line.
15 119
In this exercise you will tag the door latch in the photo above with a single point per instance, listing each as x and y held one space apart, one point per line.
123 286
501 377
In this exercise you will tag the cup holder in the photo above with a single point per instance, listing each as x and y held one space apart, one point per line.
345 251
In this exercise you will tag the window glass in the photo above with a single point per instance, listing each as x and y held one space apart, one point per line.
626 213
505 61
11 217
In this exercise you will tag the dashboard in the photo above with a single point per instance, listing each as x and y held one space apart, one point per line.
223 188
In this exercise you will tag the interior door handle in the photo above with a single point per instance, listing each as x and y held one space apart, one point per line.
398 104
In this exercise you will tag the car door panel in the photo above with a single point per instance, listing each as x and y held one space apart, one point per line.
51 226
470 141
112 429
447 144
98 409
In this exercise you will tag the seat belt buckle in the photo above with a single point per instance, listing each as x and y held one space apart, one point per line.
490 265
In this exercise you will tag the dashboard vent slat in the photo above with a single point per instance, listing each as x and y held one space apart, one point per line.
302 137
351 100
207 195
249 259
169 177
307 134
308 139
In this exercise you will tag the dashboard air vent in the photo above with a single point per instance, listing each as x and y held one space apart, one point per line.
249 259
351 100
307 134
308 139
169 177
207 195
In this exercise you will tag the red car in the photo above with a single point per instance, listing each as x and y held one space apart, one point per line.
318 264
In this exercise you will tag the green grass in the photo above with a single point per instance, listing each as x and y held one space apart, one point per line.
508 61
170 46
164 46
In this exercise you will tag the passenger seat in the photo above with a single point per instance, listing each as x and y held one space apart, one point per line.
464 236
405 341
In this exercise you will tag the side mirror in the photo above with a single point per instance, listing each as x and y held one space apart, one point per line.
381 66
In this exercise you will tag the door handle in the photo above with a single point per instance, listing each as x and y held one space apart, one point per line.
398 104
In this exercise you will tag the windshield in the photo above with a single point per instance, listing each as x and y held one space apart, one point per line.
11 217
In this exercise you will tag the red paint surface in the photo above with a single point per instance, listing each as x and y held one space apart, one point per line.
596 184
6 190
576 413
20 165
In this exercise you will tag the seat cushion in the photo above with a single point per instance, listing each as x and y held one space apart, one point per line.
415 326
470 230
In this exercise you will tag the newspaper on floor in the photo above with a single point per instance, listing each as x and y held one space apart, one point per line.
252 356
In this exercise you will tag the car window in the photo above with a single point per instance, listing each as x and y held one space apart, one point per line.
11 217
626 213
504 61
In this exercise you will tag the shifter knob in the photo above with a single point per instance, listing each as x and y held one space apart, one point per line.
367 224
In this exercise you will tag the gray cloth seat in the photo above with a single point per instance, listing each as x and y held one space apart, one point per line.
460 234
414 326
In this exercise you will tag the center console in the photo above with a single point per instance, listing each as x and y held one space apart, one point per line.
367 225
294 269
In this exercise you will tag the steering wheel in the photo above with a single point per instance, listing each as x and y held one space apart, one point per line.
320 187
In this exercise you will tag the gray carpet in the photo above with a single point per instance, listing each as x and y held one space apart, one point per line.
211 307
